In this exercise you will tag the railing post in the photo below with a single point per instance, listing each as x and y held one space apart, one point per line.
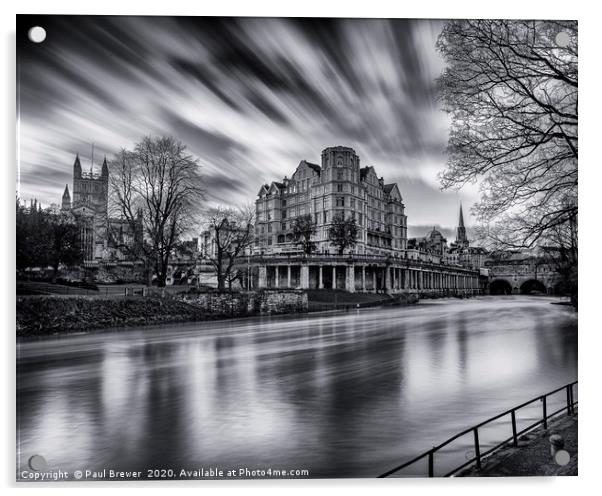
545 412
477 448
431 463
514 437
572 399
568 399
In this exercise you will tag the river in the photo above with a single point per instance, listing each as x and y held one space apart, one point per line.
338 394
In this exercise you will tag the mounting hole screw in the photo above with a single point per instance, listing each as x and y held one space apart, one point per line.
562 39
37 34
37 463
562 458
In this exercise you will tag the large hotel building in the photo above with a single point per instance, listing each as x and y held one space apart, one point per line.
338 186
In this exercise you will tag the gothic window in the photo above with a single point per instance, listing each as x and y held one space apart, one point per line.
339 162
339 188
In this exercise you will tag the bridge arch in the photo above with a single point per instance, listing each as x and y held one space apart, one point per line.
500 287
533 286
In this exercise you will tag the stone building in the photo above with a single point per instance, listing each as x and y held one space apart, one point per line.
381 261
90 208
338 186
461 253
101 237
433 243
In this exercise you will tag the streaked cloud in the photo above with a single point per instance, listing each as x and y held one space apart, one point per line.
250 97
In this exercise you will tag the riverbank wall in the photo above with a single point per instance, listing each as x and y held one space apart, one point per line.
50 315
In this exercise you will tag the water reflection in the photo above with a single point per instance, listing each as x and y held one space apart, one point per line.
341 395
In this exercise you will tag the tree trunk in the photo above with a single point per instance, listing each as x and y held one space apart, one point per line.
221 283
55 272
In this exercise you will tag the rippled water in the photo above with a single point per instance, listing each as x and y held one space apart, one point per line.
341 395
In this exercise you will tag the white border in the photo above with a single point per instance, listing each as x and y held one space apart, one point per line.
590 182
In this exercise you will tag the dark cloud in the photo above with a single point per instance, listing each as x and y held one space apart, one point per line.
212 144
202 74
250 97
220 186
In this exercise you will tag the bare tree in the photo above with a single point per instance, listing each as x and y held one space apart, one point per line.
511 91
157 189
304 228
231 235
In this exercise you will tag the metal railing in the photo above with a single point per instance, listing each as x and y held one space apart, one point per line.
477 459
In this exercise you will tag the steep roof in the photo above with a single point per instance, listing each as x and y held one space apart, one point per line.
264 187
315 167
364 171
77 164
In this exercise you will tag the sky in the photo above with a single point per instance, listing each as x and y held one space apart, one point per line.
250 97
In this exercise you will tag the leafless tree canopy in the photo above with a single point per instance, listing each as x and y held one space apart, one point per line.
159 181
231 233
511 91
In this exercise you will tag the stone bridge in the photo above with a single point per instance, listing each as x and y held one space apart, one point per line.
521 276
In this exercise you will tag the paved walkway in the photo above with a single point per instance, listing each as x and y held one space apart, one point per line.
532 456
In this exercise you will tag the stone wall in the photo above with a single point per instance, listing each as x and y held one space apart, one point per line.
287 301
265 302
47 315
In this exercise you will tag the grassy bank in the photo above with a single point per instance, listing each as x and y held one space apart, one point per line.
48 315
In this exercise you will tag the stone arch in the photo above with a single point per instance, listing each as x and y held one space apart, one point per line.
533 286
500 287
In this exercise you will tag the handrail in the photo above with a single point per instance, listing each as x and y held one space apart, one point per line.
570 409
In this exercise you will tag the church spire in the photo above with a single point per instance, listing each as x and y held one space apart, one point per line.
461 238
66 203
77 167
105 168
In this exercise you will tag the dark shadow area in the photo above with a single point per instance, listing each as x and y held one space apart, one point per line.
500 287
532 287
